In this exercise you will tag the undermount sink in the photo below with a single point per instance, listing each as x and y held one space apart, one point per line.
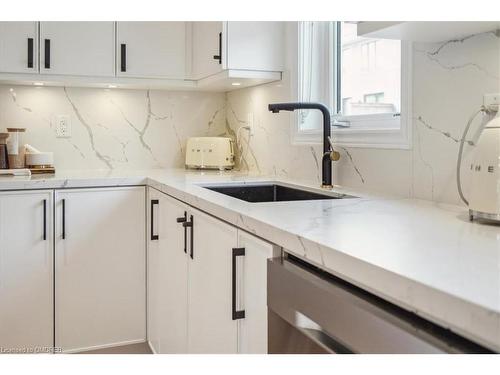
271 193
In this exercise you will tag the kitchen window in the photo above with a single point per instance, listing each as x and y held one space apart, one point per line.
364 81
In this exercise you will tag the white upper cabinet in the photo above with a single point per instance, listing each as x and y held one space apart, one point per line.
209 56
424 31
18 47
151 49
77 48
207 48
255 46
230 55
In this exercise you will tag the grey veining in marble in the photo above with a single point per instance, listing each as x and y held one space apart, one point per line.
449 80
112 129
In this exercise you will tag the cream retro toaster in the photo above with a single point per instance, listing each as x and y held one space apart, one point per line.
210 153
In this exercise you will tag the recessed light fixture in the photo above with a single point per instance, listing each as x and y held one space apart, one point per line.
112 86
236 84
38 83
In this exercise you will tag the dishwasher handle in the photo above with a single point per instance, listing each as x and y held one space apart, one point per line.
314 332
341 313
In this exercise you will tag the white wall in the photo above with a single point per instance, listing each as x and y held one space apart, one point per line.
449 81
112 129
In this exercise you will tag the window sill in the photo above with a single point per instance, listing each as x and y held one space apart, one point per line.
364 138
386 131
372 138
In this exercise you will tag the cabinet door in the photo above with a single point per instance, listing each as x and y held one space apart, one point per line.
252 337
173 277
211 328
151 49
26 264
100 267
205 46
154 269
256 45
19 47
77 48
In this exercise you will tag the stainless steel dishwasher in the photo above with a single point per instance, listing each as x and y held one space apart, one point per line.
311 311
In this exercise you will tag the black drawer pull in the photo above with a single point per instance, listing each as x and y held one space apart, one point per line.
183 219
30 52
123 57
190 224
236 314
154 237
219 56
47 53
45 219
63 219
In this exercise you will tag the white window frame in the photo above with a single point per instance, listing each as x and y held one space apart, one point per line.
369 131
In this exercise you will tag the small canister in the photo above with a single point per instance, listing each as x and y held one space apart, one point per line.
4 155
15 150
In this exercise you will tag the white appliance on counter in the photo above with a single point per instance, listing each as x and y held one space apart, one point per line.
484 200
210 153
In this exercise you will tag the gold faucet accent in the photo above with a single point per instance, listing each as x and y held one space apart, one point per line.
333 155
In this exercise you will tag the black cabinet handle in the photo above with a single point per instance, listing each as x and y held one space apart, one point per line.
190 224
30 52
154 237
63 219
183 219
123 57
237 314
219 56
47 53
45 219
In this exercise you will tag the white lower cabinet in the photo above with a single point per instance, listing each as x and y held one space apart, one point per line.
100 270
252 334
211 328
167 275
26 276
73 274
206 284
153 272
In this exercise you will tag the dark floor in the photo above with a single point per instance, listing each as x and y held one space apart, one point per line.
140 348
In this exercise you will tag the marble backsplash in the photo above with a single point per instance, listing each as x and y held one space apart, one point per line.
112 129
137 129
449 80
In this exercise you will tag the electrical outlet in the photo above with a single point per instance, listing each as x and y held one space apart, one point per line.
63 126
250 123
491 100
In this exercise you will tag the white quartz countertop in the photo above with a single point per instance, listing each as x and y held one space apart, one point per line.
423 256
